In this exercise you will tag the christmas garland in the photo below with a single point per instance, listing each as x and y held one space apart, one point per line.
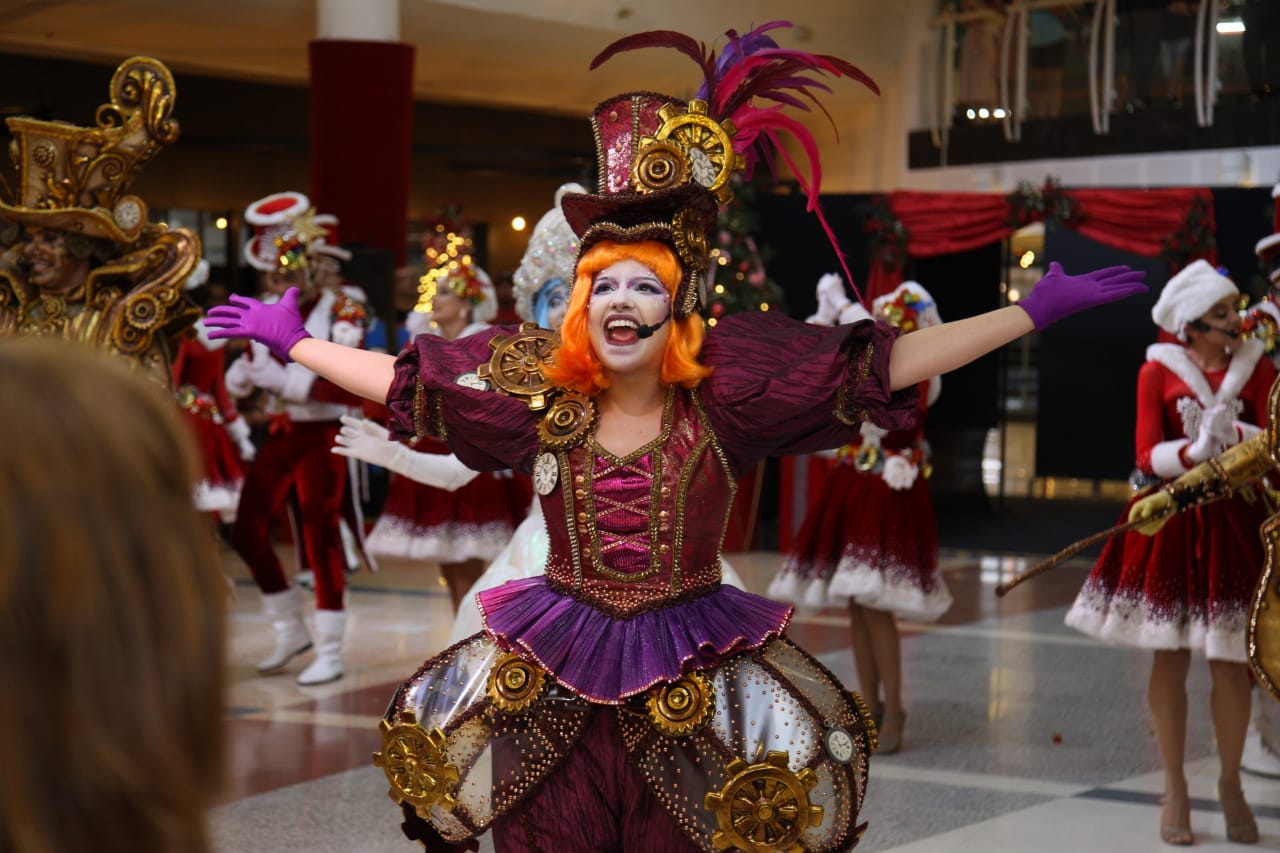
1192 240
887 238
1047 203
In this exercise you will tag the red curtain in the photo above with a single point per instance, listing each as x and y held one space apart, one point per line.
1139 221
1144 222
942 223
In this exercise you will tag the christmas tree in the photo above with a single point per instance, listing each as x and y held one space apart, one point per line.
738 280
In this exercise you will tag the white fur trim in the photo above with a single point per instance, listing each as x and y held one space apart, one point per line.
1174 357
297 382
1246 431
1132 622
1165 461
237 380
202 335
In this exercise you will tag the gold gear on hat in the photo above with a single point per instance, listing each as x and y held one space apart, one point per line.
764 807
416 765
707 145
683 706
515 685
659 166
568 420
689 234
515 368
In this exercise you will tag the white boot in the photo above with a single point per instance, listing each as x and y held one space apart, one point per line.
284 609
330 625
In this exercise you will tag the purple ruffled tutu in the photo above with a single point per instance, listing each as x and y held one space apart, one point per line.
608 659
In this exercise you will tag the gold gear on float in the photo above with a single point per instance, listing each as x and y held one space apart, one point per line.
515 368
416 765
568 421
764 807
683 706
515 684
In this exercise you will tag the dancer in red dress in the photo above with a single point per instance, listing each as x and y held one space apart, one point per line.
221 435
1189 586
871 541
461 530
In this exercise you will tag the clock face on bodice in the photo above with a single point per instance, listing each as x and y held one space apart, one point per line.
545 473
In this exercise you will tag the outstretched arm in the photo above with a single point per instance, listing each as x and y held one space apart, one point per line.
939 349
363 372
279 326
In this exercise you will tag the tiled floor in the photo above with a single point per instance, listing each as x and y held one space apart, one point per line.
1022 735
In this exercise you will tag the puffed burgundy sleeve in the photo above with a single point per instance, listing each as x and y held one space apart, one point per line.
780 386
486 430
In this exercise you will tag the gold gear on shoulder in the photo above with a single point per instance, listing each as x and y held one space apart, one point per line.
515 684
515 368
416 765
764 807
708 144
683 706
568 421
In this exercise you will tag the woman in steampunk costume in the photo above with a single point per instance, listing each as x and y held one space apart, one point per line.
628 700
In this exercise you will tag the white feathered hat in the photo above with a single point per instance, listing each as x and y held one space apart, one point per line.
1188 295
551 254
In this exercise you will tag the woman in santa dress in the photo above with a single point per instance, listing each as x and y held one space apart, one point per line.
461 530
1189 587
221 435
871 542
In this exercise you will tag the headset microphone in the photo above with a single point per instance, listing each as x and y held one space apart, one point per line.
643 331
1201 326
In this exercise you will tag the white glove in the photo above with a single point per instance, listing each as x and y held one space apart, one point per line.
1221 421
366 440
831 299
1206 443
265 372
854 312
871 434
238 430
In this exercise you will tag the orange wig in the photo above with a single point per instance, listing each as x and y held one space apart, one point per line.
576 364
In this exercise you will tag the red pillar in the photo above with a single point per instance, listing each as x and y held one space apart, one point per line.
361 136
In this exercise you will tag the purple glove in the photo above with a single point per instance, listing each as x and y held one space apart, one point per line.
1057 294
278 326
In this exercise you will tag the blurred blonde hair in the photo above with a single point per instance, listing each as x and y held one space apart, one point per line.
111 612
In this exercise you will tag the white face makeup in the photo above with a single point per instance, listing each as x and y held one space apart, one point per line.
625 296
557 302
